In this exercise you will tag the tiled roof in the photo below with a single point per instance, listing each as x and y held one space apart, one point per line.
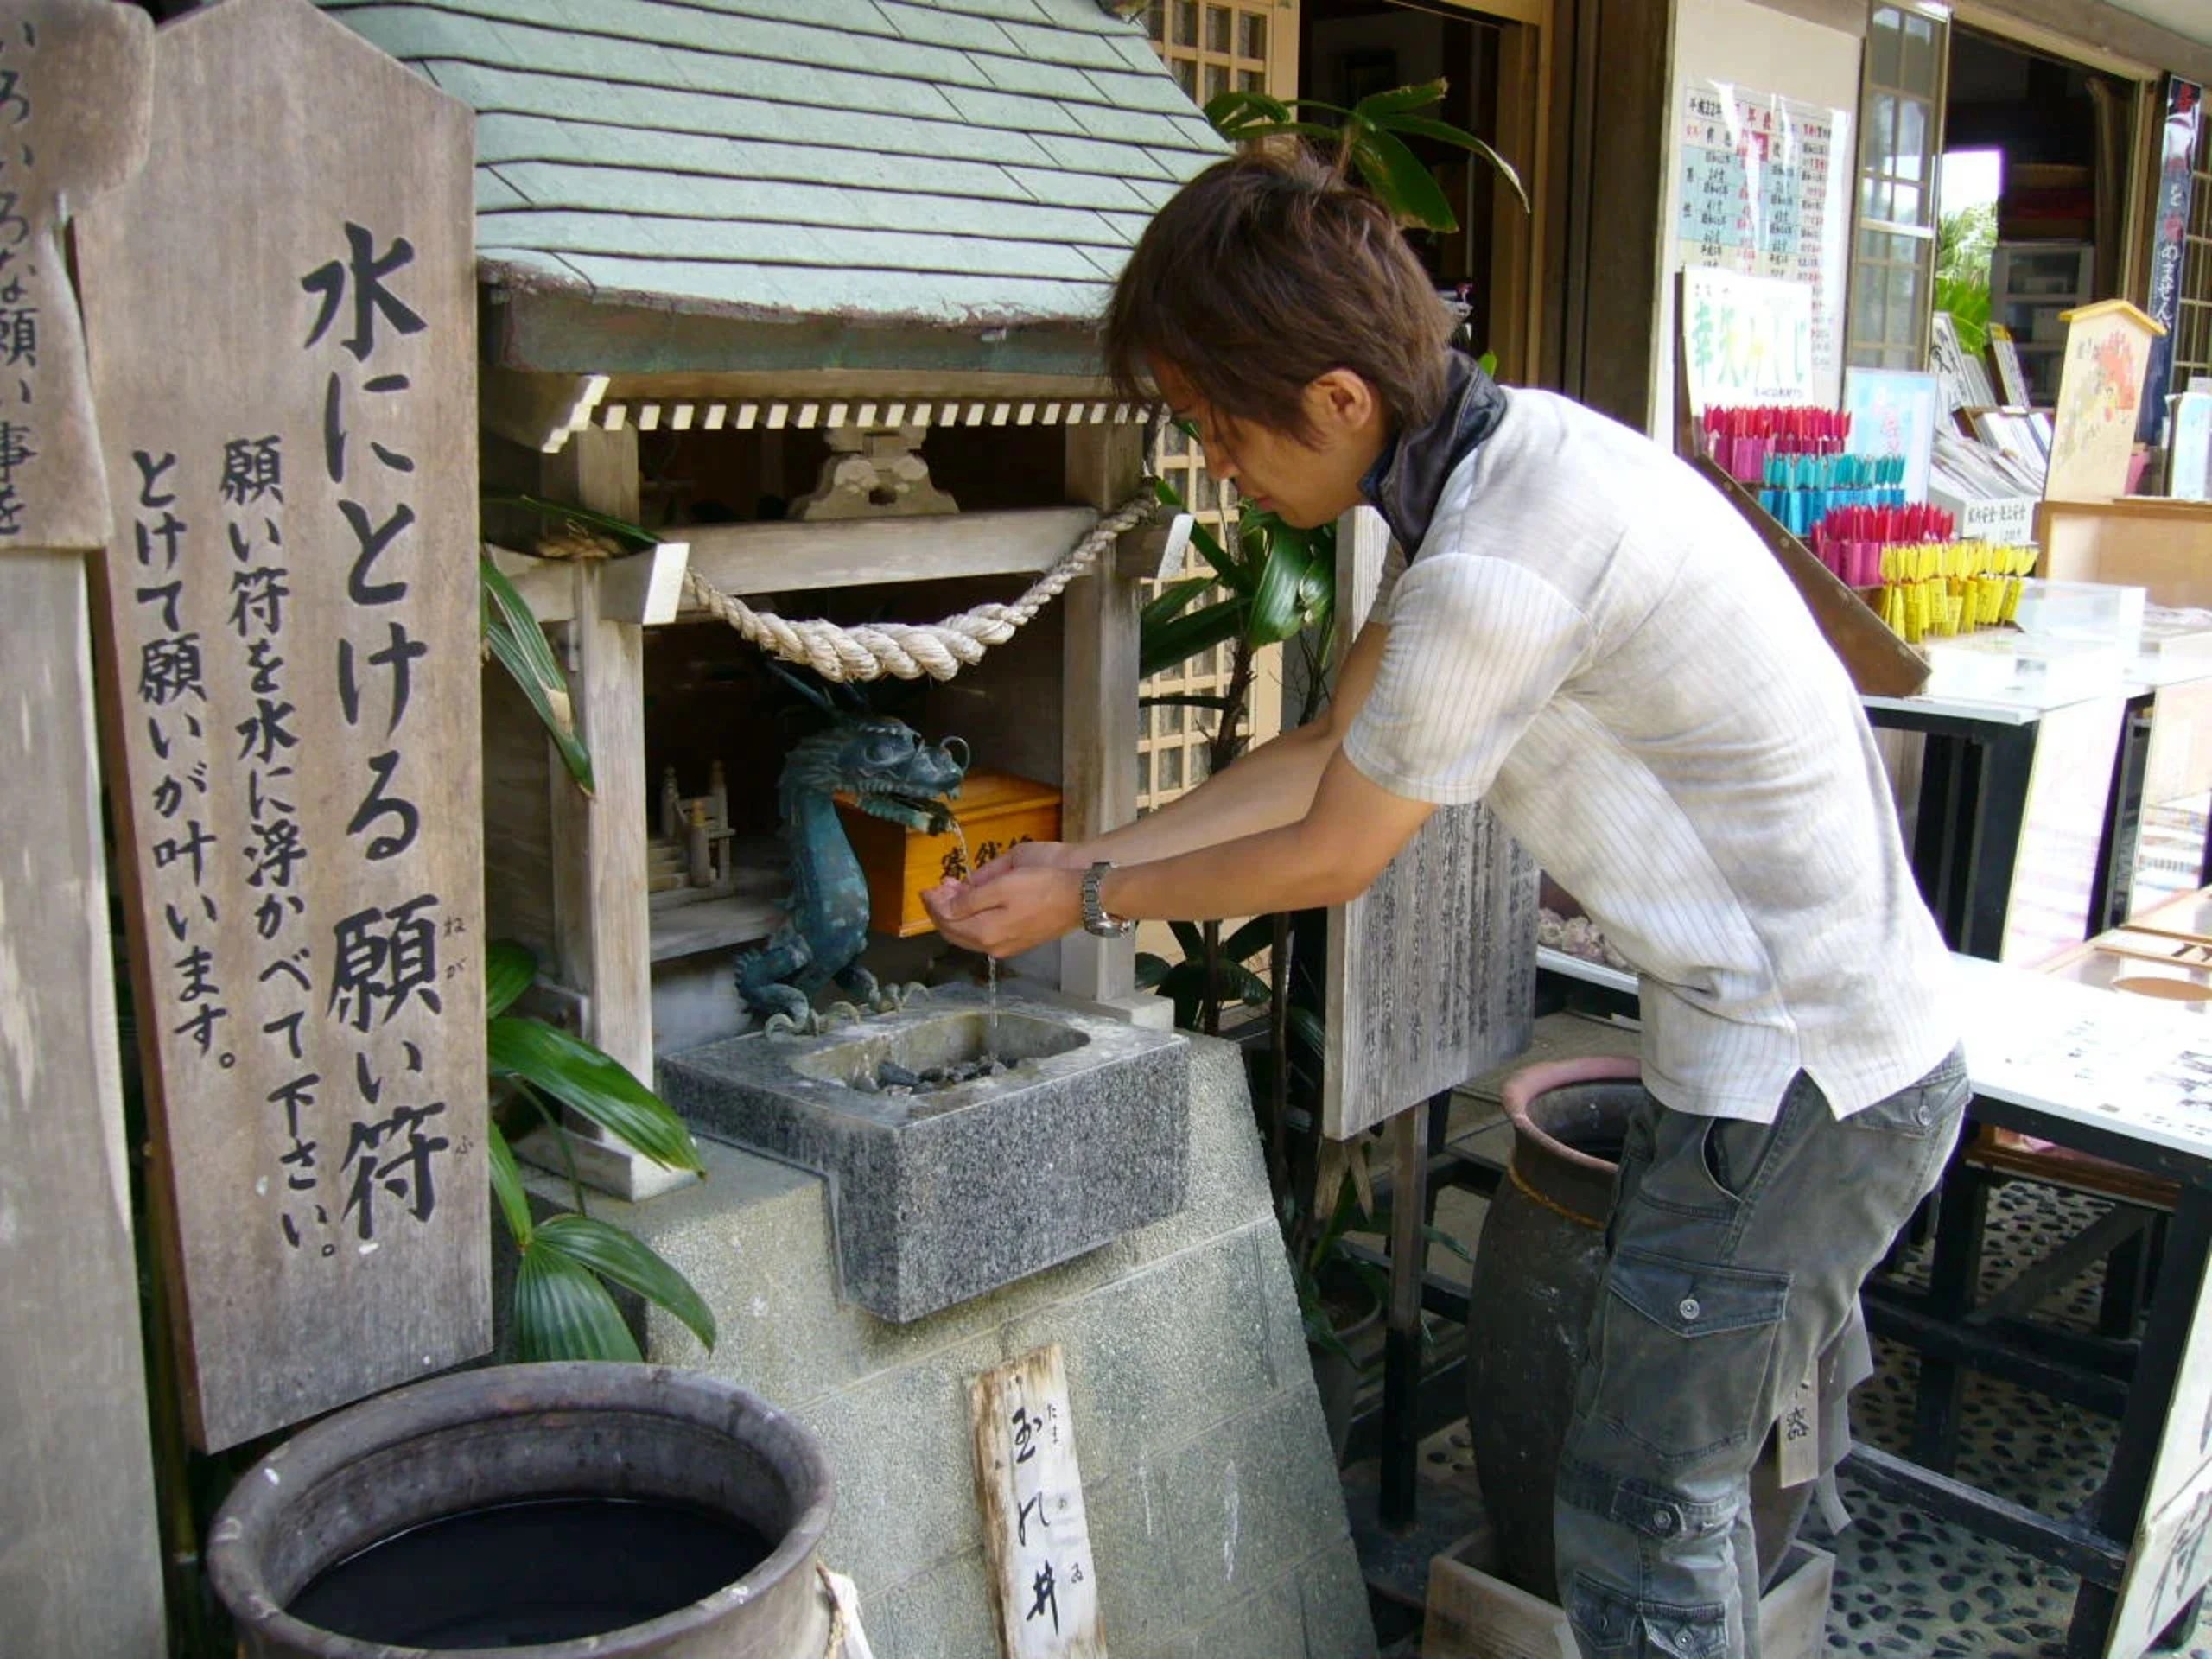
935 162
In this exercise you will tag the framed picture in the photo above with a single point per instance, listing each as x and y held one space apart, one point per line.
1893 412
1364 71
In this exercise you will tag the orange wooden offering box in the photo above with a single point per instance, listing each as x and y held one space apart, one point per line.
996 809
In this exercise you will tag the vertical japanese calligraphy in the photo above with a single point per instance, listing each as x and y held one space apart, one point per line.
1762 192
290 429
1034 1527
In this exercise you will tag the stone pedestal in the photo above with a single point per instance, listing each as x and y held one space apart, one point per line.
942 1195
1216 1516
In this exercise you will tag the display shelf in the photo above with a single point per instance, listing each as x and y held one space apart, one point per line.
2031 285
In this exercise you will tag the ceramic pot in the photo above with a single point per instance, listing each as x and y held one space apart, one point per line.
1538 1268
534 1498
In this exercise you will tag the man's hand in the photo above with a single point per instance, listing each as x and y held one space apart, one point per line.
1009 906
1031 855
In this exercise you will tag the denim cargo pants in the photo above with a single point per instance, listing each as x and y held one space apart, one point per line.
1736 1252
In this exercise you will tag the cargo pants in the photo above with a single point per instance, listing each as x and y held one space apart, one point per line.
1735 1252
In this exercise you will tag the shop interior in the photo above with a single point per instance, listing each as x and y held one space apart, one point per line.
2056 137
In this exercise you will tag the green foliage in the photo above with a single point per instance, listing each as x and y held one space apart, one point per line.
562 1308
1368 139
1279 582
1964 243
518 644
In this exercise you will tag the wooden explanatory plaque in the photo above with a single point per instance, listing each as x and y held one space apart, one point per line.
280 310
1044 1579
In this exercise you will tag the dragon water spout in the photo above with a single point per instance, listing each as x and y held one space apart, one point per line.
889 773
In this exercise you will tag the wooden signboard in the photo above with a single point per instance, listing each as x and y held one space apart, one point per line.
82 1571
2100 389
1043 1576
1432 970
281 312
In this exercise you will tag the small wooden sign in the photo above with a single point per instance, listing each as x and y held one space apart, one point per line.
281 310
1034 1529
2100 389
1432 969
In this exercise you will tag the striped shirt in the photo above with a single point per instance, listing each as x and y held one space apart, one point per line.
1592 642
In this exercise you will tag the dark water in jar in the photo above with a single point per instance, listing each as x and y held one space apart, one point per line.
548 1570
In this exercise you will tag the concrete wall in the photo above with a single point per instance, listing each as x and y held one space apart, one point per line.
1216 1519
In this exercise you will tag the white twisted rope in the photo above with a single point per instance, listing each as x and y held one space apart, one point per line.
909 650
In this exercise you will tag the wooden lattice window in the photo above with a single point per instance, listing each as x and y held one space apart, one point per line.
1210 47
1900 136
1213 46
2193 327
1172 737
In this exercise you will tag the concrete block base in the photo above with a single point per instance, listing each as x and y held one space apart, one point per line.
1218 1522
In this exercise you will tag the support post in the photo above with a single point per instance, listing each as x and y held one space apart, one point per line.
602 931
1098 767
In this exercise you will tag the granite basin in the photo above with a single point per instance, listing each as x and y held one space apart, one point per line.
942 1196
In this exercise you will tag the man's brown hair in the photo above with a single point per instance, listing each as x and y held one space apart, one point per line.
1266 271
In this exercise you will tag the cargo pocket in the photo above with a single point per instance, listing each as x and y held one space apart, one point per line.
1607 1623
1685 1353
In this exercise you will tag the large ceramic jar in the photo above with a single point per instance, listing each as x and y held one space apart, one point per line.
1537 1272
516 1506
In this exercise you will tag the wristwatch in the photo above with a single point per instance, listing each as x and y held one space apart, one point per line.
1095 919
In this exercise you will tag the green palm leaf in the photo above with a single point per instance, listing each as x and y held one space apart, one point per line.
612 1254
561 1312
1443 132
1402 180
507 1186
1187 636
1171 601
595 1085
1399 99
1276 612
517 640
1255 936
509 970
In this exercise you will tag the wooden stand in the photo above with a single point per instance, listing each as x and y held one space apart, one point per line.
1475 1615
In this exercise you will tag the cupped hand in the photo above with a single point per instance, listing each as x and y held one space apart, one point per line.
1031 855
1007 907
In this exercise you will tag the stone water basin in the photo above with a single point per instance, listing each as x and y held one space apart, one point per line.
943 1194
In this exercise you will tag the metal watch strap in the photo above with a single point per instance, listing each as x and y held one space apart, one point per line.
1095 919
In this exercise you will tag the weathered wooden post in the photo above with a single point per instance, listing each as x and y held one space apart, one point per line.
289 424
79 1568
1432 979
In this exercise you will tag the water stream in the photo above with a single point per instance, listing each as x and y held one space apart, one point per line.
991 1024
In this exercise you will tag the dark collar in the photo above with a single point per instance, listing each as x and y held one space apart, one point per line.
1408 477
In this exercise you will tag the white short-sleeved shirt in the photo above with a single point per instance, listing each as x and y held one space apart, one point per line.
1593 643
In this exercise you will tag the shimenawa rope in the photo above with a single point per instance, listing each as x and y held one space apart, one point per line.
907 650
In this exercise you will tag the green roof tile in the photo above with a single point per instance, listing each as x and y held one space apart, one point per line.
942 28
938 161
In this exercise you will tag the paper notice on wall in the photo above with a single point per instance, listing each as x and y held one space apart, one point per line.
1765 187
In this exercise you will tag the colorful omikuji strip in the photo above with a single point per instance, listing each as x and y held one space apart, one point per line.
1951 588
1794 458
1850 538
1742 439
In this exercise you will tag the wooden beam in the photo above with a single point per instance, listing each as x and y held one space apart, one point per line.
538 410
2091 33
856 386
770 558
1098 697
645 588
